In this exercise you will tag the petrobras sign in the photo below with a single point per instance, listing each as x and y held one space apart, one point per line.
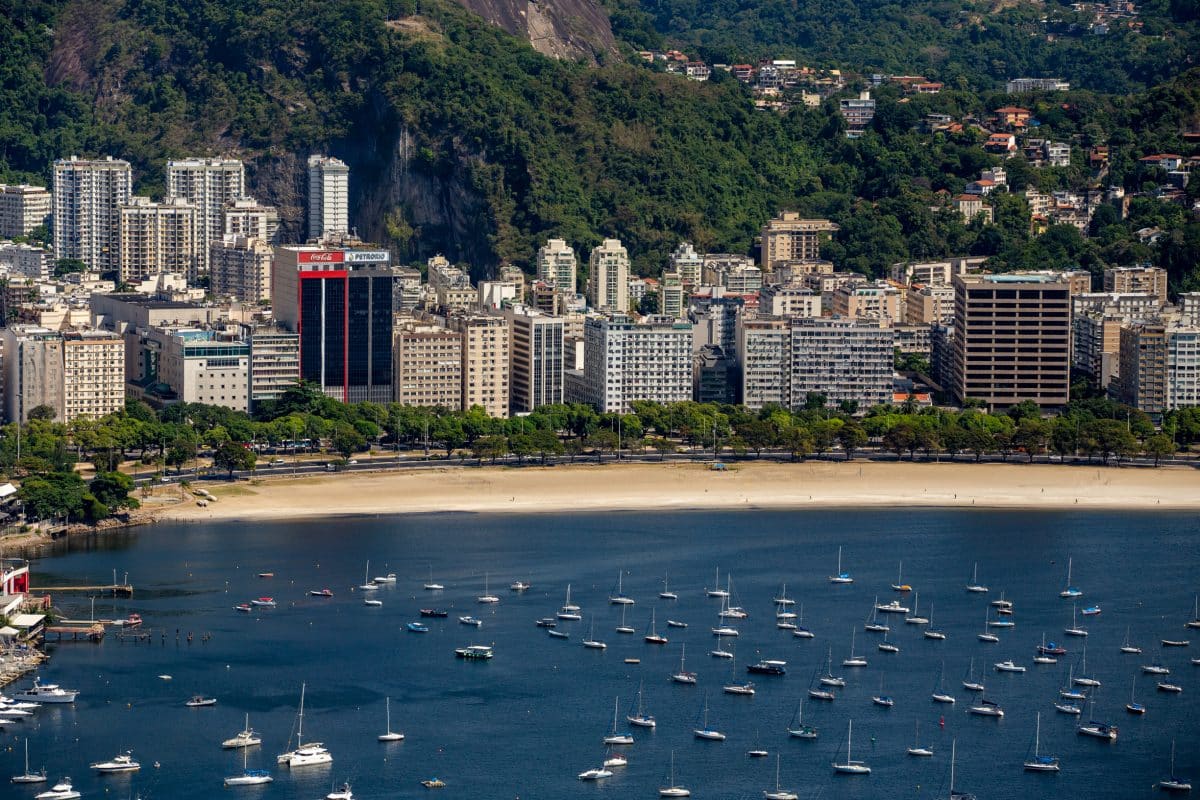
367 256
321 256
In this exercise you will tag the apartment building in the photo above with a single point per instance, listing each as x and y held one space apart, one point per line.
785 300
192 365
764 361
1144 279
538 358
1096 345
274 365
608 277
846 360
557 265
240 267
26 260
208 185
671 296
486 363
428 366
789 237
245 216
879 300
928 304
935 273
858 113
33 371
626 361
1142 379
23 208
1183 366
1012 339
328 197
687 263
157 238
88 196
93 374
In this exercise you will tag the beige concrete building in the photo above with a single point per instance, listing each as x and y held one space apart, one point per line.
1142 379
688 263
929 303
208 185
157 237
789 301
88 195
788 237
608 277
240 267
486 363
245 216
93 374
935 272
1012 339
189 365
1096 345
514 276
538 358
764 361
878 300
557 265
1148 280
23 208
428 366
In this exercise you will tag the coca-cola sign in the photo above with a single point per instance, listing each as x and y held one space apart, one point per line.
322 257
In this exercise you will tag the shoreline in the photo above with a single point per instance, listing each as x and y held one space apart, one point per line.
693 487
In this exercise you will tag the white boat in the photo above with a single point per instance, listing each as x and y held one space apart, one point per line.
1128 648
487 597
368 585
956 795
1194 622
1068 693
372 602
1133 706
931 633
519 586
46 693
720 652
1097 730
783 599
1174 783
569 610
615 759
779 793
1070 592
249 777
653 636
986 635
683 676
306 754
623 628
882 699
640 718
1042 656
666 593
802 632
673 789
343 793
853 660
917 749
797 729
245 738
1008 666
200 701
717 591
1074 630
116 764
1039 762
60 791
474 622
900 585
743 689
916 618
389 735
829 679
840 576
1171 688
264 602
705 732
873 625
389 578
616 737
1155 669
939 694
1068 708
619 598
27 776
986 708
595 774
725 630
850 766
974 585
894 607
592 643
433 586
970 682
1085 679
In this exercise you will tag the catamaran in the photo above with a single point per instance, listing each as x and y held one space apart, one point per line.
1070 592
1039 762
305 754
840 576
246 738
850 766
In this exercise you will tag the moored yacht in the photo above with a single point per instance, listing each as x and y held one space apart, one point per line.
245 738
60 791
121 763
46 693
306 754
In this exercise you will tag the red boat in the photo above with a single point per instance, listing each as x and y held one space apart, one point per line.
1051 649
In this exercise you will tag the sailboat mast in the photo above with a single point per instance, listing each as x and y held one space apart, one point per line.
849 733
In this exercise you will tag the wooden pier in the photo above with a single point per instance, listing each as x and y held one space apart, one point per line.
93 633
115 589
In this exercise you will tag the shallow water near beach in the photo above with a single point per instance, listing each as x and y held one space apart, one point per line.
527 722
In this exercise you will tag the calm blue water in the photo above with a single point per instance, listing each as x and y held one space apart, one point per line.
524 724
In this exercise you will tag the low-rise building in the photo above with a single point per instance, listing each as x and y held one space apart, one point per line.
879 300
23 208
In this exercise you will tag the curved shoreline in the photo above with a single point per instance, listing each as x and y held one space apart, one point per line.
673 486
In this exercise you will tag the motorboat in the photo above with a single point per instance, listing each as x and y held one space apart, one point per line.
247 737
434 613
389 735
321 592
372 602
595 774
343 793
417 627
243 607
1090 611
519 586
60 791
131 621
46 693
389 578
850 766
472 621
1155 669
433 783
475 652
121 763
1008 666
266 574
768 666
547 622
893 607
615 759
200 701
725 630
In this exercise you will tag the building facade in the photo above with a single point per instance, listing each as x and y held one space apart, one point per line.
274 365
240 267
626 361
608 277
93 374
788 237
486 363
245 216
208 184
1142 379
328 197
157 238
538 359
1135 280
88 195
845 360
428 366
23 208
557 265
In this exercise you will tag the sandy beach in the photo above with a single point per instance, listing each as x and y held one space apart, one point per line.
694 486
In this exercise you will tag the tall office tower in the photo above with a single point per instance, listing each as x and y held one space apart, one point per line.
1012 339
536 342
328 197
608 277
341 302
208 184
240 266
790 238
88 195
245 216
23 208
157 238
556 265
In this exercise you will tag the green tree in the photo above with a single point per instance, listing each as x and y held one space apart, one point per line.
1159 446
851 437
347 441
112 489
231 456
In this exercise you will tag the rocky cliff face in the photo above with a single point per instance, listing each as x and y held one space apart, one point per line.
558 28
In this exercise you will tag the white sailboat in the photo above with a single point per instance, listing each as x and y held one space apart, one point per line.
1039 762
592 643
306 754
1194 622
939 693
1074 630
620 598
1084 679
705 732
666 593
569 610
986 635
653 636
779 793
802 632
1070 592
623 628
640 718
917 749
673 789
783 599
683 676
1128 648
974 585
853 660
970 682
249 777
1174 783
617 737
840 576
245 738
798 729
850 766
368 585
916 618
487 597
829 679
389 735
717 591
27 776
956 795
433 586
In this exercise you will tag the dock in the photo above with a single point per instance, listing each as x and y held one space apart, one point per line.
92 633
15 664
115 589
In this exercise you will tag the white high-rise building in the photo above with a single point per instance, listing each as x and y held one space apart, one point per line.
608 277
208 184
22 208
157 238
556 265
626 361
328 197
688 263
245 216
88 195
671 295
240 266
